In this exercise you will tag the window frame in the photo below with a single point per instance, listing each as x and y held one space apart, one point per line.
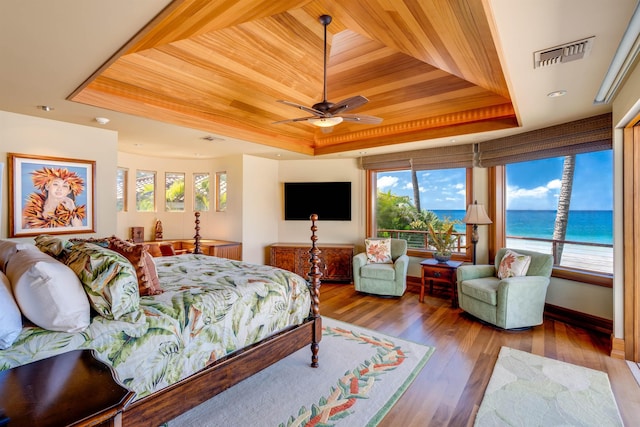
371 197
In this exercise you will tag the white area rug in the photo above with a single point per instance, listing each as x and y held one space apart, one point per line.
530 390
362 374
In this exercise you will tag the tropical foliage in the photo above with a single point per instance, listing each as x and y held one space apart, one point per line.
394 212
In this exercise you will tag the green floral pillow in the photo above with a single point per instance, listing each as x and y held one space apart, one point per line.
109 280
54 246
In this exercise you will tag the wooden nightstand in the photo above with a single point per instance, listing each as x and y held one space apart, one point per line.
440 272
69 389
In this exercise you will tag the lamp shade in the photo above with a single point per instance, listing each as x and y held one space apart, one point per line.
325 122
476 215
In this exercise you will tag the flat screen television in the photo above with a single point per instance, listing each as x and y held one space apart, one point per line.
330 200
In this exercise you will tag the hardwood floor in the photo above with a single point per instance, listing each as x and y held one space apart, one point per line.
449 389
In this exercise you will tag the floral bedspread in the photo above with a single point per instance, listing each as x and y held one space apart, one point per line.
210 308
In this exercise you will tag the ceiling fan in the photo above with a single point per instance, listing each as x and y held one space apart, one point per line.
326 114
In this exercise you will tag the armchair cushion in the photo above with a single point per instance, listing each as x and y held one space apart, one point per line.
378 271
483 289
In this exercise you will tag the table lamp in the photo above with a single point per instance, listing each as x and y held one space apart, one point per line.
476 215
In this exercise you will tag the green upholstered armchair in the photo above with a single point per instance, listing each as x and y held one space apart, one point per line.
383 279
515 302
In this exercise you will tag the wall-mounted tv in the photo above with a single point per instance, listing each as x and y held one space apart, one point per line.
330 200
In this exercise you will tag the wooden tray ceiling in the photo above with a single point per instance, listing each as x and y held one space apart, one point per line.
429 68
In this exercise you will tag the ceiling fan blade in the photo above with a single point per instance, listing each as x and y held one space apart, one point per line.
348 104
299 119
303 108
361 118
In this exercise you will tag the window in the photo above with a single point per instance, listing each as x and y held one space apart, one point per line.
174 191
441 195
201 192
122 178
221 191
563 206
145 191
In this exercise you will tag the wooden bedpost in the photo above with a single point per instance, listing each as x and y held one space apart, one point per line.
196 248
314 280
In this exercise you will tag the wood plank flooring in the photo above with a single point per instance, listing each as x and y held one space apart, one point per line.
449 389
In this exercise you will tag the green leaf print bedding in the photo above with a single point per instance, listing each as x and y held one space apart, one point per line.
210 307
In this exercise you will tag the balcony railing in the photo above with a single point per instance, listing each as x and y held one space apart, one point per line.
596 257
420 239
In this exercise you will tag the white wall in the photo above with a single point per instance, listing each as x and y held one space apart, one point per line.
260 208
315 170
36 136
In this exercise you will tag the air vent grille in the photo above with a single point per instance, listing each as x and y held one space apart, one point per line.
564 53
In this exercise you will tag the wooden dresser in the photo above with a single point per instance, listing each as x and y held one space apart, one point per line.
335 260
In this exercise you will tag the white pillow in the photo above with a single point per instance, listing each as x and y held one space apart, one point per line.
9 248
10 317
48 292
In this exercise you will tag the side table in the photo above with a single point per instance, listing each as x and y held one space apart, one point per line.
69 389
440 272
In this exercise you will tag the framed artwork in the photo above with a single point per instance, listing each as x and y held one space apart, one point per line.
50 195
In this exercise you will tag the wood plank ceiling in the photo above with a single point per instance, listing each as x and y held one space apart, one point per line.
429 68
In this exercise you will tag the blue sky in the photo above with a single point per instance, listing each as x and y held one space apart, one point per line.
530 185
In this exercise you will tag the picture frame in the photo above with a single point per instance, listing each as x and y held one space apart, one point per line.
50 195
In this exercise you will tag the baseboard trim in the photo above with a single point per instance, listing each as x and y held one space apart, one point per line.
617 348
576 318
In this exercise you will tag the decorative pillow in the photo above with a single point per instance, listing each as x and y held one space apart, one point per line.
100 241
48 292
9 248
10 316
108 278
139 257
378 251
513 264
51 245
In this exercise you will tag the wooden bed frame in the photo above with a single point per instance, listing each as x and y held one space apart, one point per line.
168 403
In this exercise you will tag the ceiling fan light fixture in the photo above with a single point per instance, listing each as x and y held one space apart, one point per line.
325 122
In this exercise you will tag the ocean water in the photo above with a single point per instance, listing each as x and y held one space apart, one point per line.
584 226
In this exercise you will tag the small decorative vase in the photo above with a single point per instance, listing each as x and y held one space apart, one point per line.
441 257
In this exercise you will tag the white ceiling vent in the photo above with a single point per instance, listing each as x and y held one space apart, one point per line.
564 53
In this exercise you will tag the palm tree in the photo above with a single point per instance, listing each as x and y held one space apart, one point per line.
416 188
564 201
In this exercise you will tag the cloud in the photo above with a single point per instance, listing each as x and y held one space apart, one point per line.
387 181
539 192
554 184
521 193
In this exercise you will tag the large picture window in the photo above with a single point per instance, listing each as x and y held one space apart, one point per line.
563 206
408 203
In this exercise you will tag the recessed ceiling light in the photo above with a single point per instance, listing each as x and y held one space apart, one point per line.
46 108
557 93
137 145
102 120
